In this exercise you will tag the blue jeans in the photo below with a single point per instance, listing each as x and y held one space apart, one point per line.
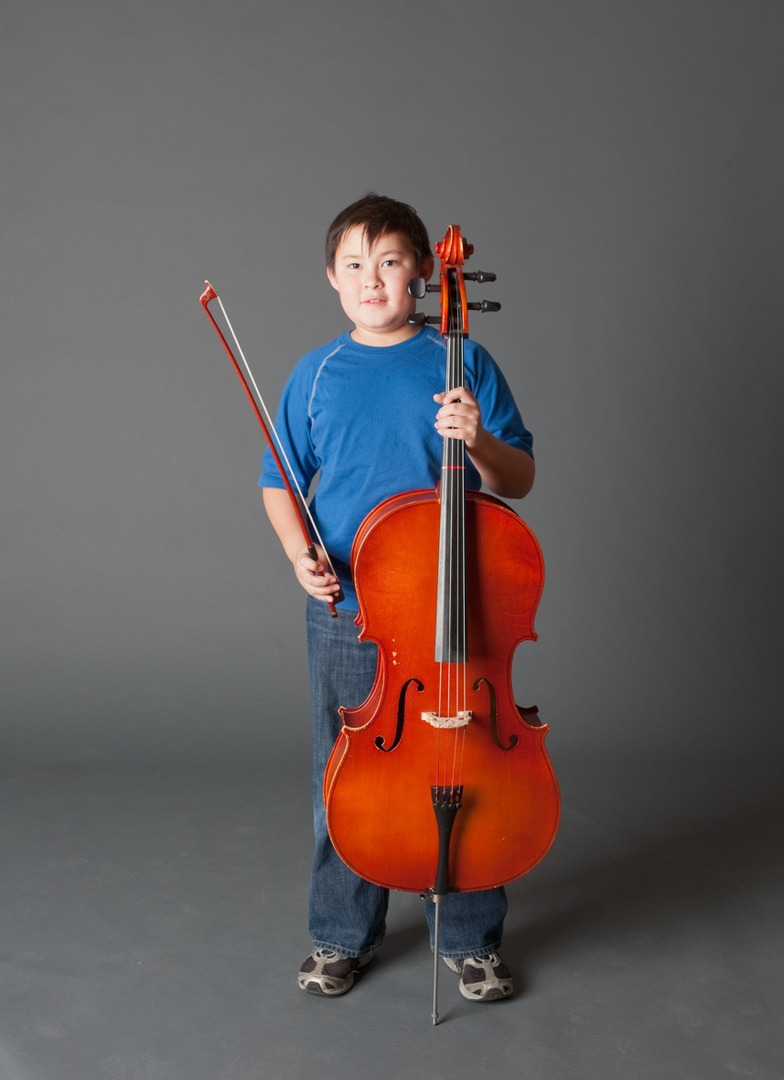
348 914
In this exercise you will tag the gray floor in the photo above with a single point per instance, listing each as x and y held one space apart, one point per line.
152 924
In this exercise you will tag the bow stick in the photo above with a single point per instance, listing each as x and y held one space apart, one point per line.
268 428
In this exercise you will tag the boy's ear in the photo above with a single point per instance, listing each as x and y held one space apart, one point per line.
332 279
426 269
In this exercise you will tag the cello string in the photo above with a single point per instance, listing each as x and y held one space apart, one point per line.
460 583
463 612
452 703
458 550
453 669
445 568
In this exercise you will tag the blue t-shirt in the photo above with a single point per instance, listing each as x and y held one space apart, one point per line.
362 417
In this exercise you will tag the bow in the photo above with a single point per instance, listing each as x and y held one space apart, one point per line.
270 434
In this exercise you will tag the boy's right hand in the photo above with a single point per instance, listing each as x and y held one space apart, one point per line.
314 575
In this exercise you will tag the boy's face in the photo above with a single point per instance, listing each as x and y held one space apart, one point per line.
372 282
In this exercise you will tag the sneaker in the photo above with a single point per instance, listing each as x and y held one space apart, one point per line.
482 978
327 972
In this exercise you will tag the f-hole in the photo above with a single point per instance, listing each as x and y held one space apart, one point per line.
401 717
513 739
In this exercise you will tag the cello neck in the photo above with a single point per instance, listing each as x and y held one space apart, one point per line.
450 639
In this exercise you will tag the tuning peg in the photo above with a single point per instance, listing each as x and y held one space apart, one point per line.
419 288
484 305
420 319
481 276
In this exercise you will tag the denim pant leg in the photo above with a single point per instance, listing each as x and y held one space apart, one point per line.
471 923
347 913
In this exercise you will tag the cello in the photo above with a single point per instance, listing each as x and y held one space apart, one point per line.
438 781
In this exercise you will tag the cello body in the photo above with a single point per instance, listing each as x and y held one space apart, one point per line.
383 767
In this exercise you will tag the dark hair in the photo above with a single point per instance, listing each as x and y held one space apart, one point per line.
378 214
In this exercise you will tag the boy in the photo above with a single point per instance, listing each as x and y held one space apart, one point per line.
360 411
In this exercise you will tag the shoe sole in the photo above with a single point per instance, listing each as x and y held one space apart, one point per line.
313 986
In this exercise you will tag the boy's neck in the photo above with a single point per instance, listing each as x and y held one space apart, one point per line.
381 341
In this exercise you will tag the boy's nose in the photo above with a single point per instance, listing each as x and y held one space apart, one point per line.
372 279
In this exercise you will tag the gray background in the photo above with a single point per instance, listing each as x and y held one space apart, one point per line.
618 164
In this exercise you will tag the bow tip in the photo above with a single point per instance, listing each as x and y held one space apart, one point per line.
208 294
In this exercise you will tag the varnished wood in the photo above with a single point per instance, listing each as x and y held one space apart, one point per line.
380 813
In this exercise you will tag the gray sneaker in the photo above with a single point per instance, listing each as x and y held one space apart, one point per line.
328 973
482 978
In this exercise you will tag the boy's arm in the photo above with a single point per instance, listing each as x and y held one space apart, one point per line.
314 576
506 470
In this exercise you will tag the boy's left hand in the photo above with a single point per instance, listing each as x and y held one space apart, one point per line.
505 470
459 416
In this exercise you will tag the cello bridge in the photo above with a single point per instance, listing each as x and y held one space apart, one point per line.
462 718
